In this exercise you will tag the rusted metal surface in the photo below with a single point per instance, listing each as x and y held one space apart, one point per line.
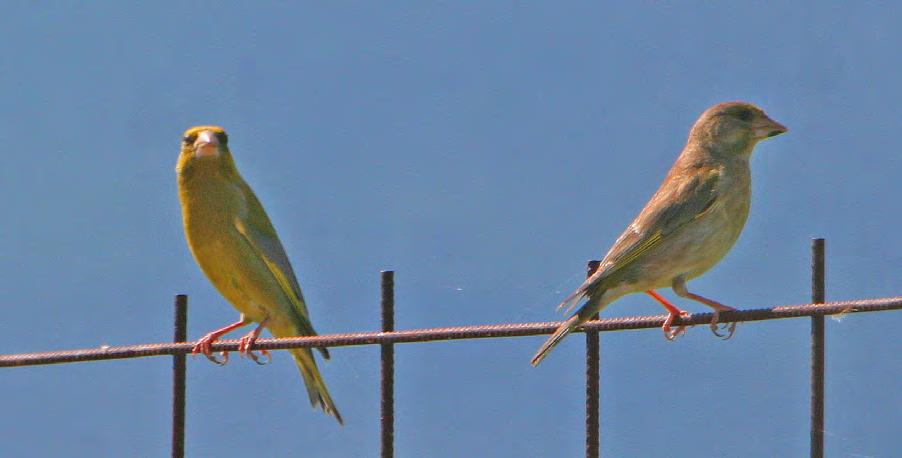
454 333
387 337
593 355
817 350
388 367
179 370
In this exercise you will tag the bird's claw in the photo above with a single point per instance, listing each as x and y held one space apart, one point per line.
205 347
222 362
729 327
257 359
670 334
245 346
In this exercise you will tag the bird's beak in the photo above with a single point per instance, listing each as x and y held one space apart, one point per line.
206 144
767 127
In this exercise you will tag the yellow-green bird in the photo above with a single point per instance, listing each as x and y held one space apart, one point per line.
689 224
238 249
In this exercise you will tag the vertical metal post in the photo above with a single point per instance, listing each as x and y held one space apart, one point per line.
178 378
592 382
388 366
817 350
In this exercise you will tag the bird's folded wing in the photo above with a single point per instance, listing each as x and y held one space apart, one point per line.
674 206
263 240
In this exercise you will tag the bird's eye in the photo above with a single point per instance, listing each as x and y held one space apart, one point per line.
222 137
189 139
745 115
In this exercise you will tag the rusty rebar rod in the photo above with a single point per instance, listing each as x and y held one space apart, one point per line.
179 369
817 350
454 333
387 368
593 355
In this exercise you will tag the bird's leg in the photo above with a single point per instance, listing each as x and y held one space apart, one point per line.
204 344
679 287
674 312
246 344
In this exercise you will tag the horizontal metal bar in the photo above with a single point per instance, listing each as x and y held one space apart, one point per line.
453 333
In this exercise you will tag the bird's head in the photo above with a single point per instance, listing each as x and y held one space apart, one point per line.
204 145
734 127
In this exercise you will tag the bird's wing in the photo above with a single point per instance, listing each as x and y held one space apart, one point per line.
677 202
263 240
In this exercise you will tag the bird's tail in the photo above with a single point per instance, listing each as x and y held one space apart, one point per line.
316 386
582 292
570 301
556 338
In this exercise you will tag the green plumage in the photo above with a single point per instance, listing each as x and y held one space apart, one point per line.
236 246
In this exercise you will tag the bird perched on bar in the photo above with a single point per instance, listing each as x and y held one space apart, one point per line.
689 224
236 246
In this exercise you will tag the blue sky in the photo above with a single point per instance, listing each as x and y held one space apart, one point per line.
482 150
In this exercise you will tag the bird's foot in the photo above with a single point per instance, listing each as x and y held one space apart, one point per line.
673 312
205 346
246 345
245 349
670 334
730 328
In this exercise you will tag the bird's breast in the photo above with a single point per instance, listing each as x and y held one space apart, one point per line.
709 238
700 244
209 209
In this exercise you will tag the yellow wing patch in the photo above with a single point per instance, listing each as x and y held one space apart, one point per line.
670 221
637 251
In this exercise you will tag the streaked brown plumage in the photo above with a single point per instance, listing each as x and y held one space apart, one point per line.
689 224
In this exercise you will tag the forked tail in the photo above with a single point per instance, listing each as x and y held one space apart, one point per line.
316 387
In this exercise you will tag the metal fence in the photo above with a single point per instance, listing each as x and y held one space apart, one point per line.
387 337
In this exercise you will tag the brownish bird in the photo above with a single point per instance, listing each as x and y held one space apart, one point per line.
689 224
